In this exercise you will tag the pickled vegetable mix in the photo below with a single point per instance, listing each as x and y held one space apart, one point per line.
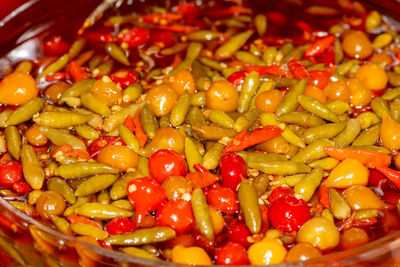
210 134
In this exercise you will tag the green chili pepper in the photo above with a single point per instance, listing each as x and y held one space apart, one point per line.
279 167
117 53
63 188
289 103
307 186
313 152
92 103
339 207
249 88
212 156
26 111
13 139
59 137
143 236
312 105
84 169
102 211
202 214
226 50
33 172
248 201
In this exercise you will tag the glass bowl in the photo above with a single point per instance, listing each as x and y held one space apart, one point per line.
36 244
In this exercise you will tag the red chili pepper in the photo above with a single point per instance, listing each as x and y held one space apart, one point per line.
391 196
177 28
319 46
260 135
323 195
233 169
146 195
298 69
237 78
227 12
346 224
77 72
165 163
157 17
371 159
392 175
124 78
99 37
269 70
135 37
55 45
305 28
21 187
364 222
139 132
129 123
119 226
58 76
73 218
202 178
10 173
176 214
378 182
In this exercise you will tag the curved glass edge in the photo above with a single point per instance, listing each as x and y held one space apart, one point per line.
378 253
382 251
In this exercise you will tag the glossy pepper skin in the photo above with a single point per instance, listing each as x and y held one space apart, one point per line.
233 170
288 213
146 195
165 163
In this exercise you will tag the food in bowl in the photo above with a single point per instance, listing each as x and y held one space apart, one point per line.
210 134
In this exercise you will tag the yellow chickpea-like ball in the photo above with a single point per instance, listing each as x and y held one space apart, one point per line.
320 233
120 157
223 96
267 251
162 99
372 76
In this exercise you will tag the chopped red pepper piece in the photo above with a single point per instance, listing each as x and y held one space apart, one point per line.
55 45
237 78
319 46
129 123
392 175
323 195
298 69
202 178
58 76
73 218
371 159
269 70
260 135
139 132
135 37
305 28
99 37
124 78
77 72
